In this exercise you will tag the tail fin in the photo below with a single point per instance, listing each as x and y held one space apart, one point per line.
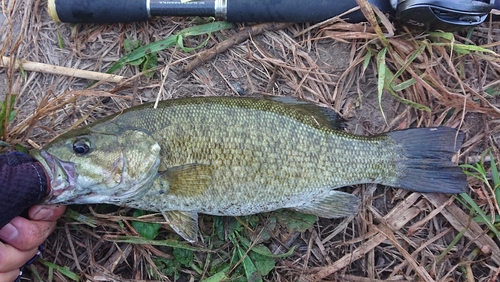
428 153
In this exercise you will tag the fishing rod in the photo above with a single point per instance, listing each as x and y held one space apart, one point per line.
446 15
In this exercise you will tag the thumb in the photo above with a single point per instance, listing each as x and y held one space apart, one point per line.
46 212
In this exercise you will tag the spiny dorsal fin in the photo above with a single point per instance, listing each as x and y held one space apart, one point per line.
335 204
323 115
183 223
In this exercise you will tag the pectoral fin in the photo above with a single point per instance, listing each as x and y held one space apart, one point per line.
335 204
188 180
183 223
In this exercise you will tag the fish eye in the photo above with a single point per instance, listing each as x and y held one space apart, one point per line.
81 147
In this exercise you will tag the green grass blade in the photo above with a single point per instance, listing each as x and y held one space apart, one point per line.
60 41
382 68
205 28
167 42
166 243
296 221
63 270
445 35
451 245
407 102
479 211
81 218
479 169
366 60
251 271
492 90
494 174
408 62
35 273
7 113
263 250
219 276
465 49
148 230
263 264
480 219
403 85
496 180
140 52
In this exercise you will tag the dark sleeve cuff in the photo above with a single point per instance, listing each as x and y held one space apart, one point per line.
23 183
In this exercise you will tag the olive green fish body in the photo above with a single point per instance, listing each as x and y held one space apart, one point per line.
243 156
237 156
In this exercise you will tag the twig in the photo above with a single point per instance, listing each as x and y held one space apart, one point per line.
72 247
398 217
460 221
239 37
46 68
369 14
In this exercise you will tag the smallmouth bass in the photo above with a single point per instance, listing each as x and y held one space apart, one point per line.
235 156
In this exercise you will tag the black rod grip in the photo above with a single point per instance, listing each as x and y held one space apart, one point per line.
98 11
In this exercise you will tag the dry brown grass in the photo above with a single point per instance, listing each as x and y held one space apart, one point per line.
398 235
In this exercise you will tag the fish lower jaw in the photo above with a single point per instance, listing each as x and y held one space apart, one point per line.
92 198
60 192
95 199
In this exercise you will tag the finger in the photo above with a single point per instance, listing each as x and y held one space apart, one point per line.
9 276
24 234
46 212
12 258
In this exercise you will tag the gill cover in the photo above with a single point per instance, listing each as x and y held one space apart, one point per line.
99 165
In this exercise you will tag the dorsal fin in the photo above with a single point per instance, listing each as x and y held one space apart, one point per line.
323 115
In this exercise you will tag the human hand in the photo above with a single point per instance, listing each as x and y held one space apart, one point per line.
19 239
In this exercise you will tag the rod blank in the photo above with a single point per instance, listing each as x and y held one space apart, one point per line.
113 11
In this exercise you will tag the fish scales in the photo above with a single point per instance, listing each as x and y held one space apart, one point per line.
257 154
235 156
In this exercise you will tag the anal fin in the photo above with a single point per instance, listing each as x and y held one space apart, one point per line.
335 204
183 223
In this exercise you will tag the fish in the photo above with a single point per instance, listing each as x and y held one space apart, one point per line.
236 156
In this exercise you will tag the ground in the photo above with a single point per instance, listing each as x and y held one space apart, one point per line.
397 235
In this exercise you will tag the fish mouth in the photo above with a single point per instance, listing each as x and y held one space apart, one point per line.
62 175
